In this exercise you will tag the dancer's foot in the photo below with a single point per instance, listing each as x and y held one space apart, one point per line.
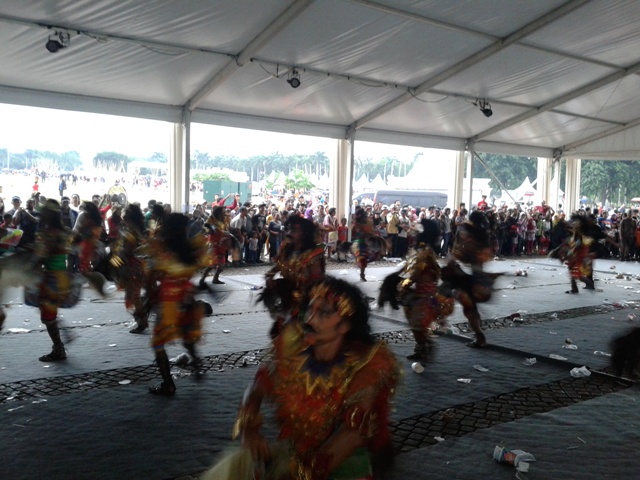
139 328
420 352
57 353
196 365
217 281
163 389
477 344
362 277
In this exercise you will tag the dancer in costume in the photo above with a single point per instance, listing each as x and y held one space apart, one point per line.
9 268
53 244
471 246
415 287
173 260
220 242
87 233
301 264
581 250
128 265
367 245
331 385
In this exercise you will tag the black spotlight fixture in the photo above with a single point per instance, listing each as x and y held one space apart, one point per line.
294 79
57 41
485 107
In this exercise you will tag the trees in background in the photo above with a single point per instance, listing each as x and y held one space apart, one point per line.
602 180
510 170
610 181
41 160
111 161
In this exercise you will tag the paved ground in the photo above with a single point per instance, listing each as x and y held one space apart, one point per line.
89 417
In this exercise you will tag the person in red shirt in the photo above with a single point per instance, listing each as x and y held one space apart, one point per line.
221 202
482 204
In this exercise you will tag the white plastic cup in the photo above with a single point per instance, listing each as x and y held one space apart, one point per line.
417 367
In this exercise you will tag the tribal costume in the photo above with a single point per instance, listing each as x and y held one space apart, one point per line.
129 265
471 246
219 243
301 264
177 314
173 261
215 238
415 287
422 303
580 254
313 400
56 289
363 233
332 414
88 230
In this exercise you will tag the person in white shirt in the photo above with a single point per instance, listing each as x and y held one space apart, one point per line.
239 225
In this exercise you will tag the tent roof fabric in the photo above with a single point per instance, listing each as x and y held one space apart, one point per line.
560 76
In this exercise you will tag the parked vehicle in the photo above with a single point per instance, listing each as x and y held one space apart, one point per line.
415 198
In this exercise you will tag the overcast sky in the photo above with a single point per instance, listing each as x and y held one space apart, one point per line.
62 131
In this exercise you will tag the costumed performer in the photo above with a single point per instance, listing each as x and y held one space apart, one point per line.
415 287
220 242
301 264
471 246
128 265
53 244
581 251
367 244
173 260
331 384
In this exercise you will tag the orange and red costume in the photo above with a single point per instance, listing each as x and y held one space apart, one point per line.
313 399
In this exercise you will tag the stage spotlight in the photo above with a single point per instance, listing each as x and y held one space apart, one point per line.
485 107
57 41
294 79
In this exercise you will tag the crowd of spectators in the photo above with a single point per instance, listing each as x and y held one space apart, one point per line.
518 230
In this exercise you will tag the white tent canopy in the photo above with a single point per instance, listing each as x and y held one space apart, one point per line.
559 76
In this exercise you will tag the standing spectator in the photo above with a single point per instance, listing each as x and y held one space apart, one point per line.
482 204
530 234
15 205
147 216
627 236
239 228
392 230
252 247
275 233
62 185
330 224
26 219
68 215
259 226
343 235
404 227
75 202
445 228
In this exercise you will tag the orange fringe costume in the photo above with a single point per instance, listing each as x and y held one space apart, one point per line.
313 401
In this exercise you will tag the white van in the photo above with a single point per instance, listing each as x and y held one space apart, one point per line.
415 198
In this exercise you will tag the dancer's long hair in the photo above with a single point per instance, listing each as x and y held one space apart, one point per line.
360 330
134 217
173 233
92 212
50 215
308 229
